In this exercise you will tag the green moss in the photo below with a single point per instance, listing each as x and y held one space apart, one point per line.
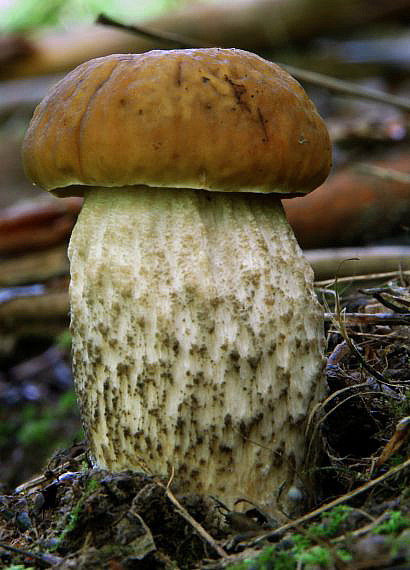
395 524
74 516
66 404
331 523
264 561
305 550
316 556
400 409
63 341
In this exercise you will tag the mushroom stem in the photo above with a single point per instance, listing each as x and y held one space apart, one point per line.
197 338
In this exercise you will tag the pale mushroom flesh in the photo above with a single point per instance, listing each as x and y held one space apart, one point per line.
197 339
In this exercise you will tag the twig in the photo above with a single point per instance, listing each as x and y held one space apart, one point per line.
47 559
389 305
50 476
334 503
337 319
362 529
347 87
185 515
304 75
394 301
401 433
177 40
384 173
366 277
386 337
371 318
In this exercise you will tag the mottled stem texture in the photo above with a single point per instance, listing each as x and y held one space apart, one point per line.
197 338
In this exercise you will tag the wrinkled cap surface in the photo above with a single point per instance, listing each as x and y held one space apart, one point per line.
216 119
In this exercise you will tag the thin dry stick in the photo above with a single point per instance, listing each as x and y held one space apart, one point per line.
347 88
47 559
354 278
385 337
177 40
185 515
390 303
313 77
362 529
334 503
337 320
371 318
383 173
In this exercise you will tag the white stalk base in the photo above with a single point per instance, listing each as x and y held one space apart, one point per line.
197 338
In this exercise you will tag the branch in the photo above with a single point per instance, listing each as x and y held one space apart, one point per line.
347 87
389 174
47 559
342 86
168 38
370 318
367 277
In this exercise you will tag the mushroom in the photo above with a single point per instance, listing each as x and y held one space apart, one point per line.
197 337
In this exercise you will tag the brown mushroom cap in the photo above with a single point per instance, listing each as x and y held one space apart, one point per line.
216 119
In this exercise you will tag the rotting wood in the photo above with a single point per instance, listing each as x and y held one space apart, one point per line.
359 207
36 224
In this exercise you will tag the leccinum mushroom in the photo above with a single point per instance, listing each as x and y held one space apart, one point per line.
197 337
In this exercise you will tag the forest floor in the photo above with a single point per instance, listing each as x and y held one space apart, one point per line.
73 516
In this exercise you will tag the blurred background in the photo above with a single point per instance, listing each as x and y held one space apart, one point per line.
353 58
